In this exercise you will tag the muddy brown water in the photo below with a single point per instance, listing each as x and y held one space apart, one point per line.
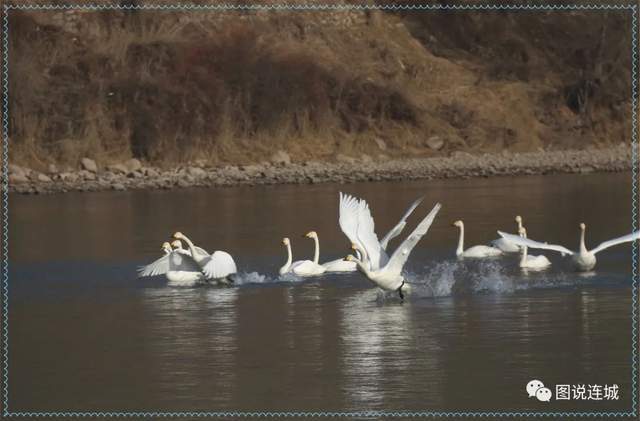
86 335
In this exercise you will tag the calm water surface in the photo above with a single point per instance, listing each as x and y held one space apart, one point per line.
85 334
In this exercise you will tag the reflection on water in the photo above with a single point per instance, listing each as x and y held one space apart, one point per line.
87 335
210 316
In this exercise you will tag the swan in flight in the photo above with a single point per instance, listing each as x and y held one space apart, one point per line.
178 267
583 259
389 276
531 262
475 251
218 266
308 267
505 245
343 265
348 220
289 265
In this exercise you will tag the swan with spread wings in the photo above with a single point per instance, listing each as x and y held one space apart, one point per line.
385 272
583 259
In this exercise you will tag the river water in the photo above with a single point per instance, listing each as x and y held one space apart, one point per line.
86 335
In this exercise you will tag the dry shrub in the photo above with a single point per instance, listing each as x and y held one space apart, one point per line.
236 91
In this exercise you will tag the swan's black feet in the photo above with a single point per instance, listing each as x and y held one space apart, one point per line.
400 291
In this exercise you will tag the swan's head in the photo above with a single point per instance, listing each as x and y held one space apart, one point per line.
311 234
357 252
285 241
166 247
350 258
176 244
178 236
518 219
583 226
457 224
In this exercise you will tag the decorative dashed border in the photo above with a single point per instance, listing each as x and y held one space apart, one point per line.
632 8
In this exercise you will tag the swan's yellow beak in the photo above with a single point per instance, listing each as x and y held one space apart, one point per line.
349 258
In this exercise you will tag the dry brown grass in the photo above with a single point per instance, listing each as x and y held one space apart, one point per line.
171 87
151 91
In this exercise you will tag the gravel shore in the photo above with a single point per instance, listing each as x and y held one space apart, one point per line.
133 174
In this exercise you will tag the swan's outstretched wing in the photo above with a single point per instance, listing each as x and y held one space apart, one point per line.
157 267
220 265
174 261
367 237
357 224
624 239
400 256
395 231
348 217
516 239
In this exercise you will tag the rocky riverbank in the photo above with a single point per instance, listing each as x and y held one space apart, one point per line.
134 174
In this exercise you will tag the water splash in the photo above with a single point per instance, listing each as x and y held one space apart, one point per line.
438 280
245 278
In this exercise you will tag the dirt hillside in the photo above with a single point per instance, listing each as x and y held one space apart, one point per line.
234 87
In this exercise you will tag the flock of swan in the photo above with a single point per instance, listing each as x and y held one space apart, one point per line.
370 255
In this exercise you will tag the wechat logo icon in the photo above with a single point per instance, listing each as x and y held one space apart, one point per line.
535 388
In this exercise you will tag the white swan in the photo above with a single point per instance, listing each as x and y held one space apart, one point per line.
583 259
308 267
288 264
505 245
389 277
475 251
178 267
531 262
218 266
376 250
346 221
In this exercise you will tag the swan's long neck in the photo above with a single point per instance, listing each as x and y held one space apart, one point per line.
583 248
289 259
316 254
519 224
460 248
365 257
523 257
192 248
